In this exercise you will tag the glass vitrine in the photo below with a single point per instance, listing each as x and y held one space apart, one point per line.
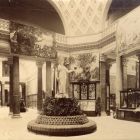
130 98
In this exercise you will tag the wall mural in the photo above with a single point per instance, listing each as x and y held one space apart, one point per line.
30 41
128 33
85 66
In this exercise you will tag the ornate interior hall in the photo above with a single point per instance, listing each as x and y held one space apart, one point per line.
77 59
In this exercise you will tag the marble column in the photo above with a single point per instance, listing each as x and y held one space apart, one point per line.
124 72
10 63
15 86
48 78
108 66
103 82
39 85
119 80
54 79
138 72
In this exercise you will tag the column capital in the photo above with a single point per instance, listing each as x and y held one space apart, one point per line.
108 66
103 57
138 56
124 61
39 63
10 60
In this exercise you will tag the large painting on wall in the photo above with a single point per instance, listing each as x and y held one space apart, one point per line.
30 41
85 66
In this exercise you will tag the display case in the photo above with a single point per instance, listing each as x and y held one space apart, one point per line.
130 99
129 105
85 92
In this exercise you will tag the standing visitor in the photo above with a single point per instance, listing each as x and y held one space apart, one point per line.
98 107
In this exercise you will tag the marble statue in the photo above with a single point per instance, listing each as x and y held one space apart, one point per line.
62 73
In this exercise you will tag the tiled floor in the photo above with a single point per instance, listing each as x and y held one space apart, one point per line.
107 128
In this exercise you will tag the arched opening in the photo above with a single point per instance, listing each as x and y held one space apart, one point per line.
39 13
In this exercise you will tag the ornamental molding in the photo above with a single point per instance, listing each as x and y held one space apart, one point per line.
87 46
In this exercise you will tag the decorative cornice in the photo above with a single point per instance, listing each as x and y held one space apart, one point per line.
87 46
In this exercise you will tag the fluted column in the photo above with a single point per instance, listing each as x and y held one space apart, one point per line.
48 78
15 86
39 85
119 80
124 72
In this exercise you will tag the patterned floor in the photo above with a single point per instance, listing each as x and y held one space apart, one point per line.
107 128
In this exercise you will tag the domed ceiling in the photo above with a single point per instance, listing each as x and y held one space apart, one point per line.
69 17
